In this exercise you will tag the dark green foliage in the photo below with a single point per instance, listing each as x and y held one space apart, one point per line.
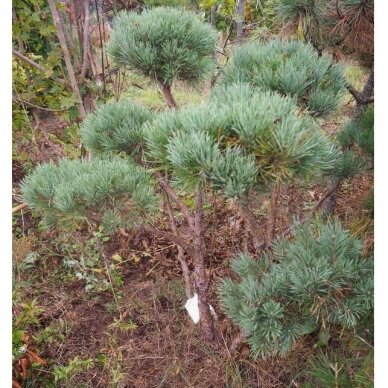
115 127
360 132
294 10
240 138
348 165
328 373
114 192
163 43
292 69
346 25
334 372
317 280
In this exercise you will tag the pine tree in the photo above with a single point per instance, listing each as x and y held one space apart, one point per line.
165 44
318 281
292 69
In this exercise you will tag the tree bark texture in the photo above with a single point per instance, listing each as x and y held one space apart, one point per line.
240 21
329 204
166 91
251 222
65 51
213 14
201 280
181 252
365 97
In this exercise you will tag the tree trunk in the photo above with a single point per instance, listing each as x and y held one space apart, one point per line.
366 96
86 40
166 91
69 66
213 14
70 41
240 21
251 223
201 280
363 98
329 204
181 253
273 214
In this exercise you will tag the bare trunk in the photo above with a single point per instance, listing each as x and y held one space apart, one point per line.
69 66
240 21
86 40
166 91
70 42
273 214
364 98
251 223
181 252
171 193
329 204
213 14
201 280
98 11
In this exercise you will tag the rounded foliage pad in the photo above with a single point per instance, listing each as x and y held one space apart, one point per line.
115 192
163 43
289 68
115 127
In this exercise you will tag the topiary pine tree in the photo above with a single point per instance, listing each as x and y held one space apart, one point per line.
165 44
291 69
318 281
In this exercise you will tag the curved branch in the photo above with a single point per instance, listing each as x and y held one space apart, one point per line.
16 99
184 209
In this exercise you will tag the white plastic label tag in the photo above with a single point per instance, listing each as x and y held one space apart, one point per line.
193 309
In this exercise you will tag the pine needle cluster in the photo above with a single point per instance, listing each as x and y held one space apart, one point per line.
163 43
114 192
292 69
318 280
114 128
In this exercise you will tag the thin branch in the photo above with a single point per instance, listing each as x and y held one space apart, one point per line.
39 67
184 209
353 91
19 100
314 209
19 207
